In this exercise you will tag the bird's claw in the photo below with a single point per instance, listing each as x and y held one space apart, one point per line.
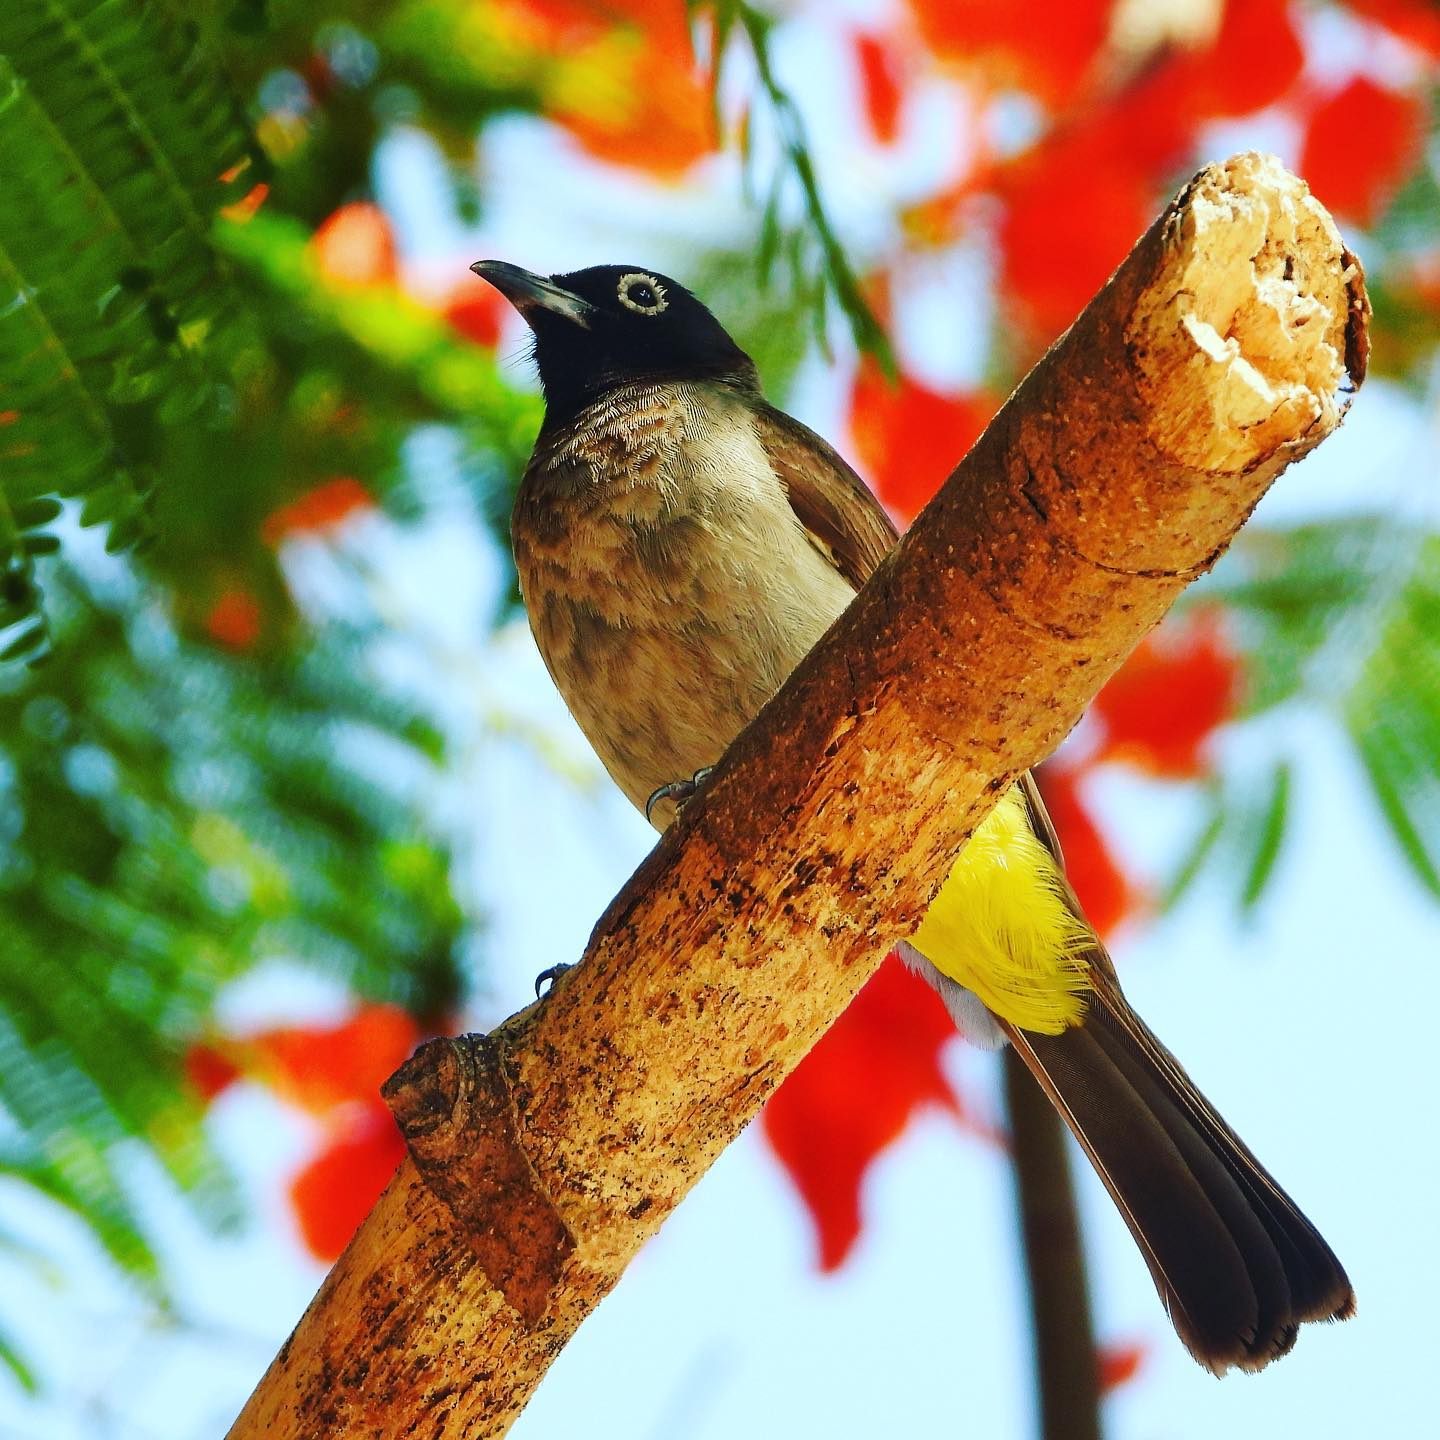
549 977
680 791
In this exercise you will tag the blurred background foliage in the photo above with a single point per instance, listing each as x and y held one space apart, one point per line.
212 357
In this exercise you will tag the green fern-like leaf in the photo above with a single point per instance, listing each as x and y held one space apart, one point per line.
1392 713
116 126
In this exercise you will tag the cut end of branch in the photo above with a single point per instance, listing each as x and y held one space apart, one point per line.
1241 342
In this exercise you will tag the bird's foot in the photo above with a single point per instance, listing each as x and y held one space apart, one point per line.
679 791
549 977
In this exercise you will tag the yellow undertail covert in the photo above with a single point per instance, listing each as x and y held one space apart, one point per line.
1001 927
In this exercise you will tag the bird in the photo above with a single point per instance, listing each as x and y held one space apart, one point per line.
681 544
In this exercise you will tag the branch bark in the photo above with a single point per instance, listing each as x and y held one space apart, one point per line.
545 1154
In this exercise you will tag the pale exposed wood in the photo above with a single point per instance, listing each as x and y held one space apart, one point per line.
566 1137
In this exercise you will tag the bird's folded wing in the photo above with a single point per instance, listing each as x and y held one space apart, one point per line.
846 523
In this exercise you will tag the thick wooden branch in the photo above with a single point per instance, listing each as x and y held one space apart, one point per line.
551 1149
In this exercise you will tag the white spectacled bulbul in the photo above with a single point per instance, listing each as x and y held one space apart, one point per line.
681 544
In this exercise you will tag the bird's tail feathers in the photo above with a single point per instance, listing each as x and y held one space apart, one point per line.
1237 1264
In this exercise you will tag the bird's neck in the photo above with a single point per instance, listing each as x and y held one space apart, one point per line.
569 395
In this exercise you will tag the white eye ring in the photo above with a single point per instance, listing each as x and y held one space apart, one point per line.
641 278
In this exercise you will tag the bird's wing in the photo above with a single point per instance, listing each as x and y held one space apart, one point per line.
844 521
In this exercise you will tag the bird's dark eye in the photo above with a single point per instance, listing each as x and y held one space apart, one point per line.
643 294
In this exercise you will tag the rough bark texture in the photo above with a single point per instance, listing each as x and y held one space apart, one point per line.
554 1147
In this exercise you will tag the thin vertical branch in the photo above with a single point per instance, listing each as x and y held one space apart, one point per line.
1066 1374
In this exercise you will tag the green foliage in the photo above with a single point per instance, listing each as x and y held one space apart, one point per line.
173 817
115 126
1341 617
1392 713
817 263
175 814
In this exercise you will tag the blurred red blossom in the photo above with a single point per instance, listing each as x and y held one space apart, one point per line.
1417 21
1104 891
355 245
334 1073
882 76
1090 175
320 1067
319 509
1361 145
244 208
642 102
1119 1364
209 1071
337 1189
1179 686
235 619
854 1094
474 310
908 437
1049 47
1207 81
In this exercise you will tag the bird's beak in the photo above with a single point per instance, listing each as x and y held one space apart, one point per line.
527 292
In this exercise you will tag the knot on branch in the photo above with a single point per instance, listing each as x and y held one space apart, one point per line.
452 1101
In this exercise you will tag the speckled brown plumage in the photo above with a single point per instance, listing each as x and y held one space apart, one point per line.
670 584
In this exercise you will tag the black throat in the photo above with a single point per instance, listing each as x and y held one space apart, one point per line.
571 386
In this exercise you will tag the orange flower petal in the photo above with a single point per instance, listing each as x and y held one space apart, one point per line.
356 246
235 619
1417 21
335 1191
1048 47
319 509
854 1094
909 437
1119 1364
1104 890
209 1071
1170 696
1095 185
1360 146
475 310
881 83
322 1066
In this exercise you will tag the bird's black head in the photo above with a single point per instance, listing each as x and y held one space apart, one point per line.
600 328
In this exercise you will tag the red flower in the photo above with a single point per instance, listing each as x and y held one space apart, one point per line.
1048 47
1361 145
317 510
881 78
1417 21
1180 686
209 1071
1095 177
337 1189
474 310
334 1072
319 1067
909 437
235 619
356 246
1119 1364
1202 81
244 208
640 102
853 1095
1101 884
1263 32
